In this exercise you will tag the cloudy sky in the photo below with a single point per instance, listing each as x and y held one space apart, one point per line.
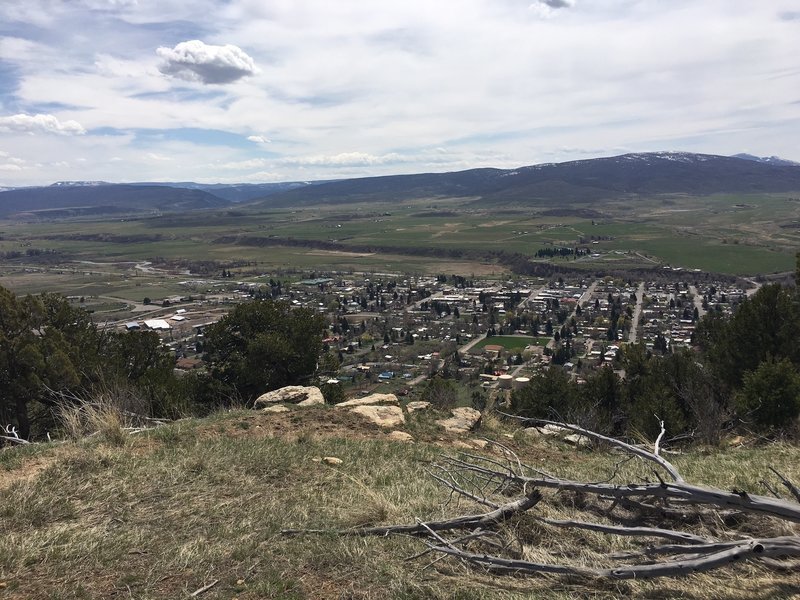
278 90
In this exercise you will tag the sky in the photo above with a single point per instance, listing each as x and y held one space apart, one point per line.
258 91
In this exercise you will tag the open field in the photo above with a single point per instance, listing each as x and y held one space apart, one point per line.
164 513
742 235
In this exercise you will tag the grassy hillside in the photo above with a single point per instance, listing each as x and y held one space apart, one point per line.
161 514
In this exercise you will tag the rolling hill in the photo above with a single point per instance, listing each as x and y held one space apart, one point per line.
100 198
554 183
550 184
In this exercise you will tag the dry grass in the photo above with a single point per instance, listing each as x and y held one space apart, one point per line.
171 510
93 418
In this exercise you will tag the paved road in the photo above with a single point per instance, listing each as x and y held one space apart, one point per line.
531 296
636 314
585 297
698 300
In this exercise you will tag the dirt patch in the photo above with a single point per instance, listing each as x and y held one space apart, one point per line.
495 223
31 466
338 253
446 229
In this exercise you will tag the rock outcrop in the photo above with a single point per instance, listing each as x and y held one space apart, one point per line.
416 405
292 394
385 416
369 400
464 420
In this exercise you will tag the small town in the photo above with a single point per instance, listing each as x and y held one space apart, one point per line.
388 333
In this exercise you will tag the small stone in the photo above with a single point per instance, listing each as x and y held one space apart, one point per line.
416 405
278 408
401 436
550 429
576 439
332 460
479 443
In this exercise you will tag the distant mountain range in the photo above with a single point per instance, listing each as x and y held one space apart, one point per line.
241 192
581 181
80 198
556 183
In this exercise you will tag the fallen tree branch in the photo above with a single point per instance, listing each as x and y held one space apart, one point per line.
663 463
12 436
680 536
657 444
486 543
203 589
793 489
502 513
749 550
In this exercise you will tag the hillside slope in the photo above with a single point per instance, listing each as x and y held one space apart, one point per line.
164 513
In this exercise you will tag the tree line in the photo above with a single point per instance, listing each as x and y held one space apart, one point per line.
51 353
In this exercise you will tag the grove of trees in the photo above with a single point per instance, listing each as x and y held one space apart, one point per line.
51 353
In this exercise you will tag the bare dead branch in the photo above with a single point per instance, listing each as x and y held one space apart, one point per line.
461 491
12 436
748 550
490 518
691 494
660 435
793 489
203 589
663 463
680 536
486 545
768 486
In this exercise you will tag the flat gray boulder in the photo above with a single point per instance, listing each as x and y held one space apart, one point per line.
464 420
292 394
369 400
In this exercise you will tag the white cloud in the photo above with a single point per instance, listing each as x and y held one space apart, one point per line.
494 83
40 123
243 165
157 157
197 61
348 159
